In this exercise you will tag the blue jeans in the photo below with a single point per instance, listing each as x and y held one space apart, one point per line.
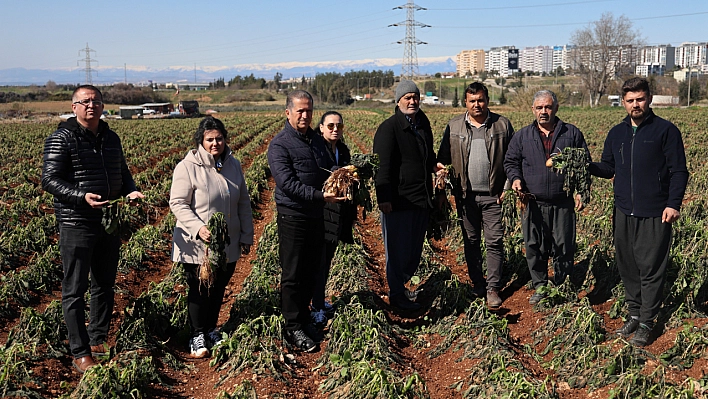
403 234
86 249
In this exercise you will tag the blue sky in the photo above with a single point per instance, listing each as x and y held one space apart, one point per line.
47 34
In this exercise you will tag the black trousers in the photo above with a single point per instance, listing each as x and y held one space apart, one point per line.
479 212
549 230
86 249
318 296
204 303
642 253
403 235
301 245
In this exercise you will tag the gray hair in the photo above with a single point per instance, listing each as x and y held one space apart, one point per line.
299 94
544 94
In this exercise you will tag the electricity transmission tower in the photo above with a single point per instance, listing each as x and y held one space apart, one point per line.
409 68
88 62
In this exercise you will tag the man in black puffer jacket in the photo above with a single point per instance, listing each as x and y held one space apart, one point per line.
300 165
84 168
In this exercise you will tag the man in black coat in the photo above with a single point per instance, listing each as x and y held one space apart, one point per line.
404 189
645 155
84 168
300 165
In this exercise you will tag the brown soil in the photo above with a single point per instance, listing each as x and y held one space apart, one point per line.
198 381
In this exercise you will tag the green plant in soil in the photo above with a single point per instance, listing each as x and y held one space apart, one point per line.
358 358
127 376
478 334
254 345
501 376
243 391
35 329
690 344
573 335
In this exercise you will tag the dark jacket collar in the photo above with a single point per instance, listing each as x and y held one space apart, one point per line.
73 125
403 123
307 136
647 119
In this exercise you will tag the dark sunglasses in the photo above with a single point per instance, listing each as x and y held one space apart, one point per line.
330 126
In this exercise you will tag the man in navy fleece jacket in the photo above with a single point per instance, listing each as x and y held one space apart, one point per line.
645 155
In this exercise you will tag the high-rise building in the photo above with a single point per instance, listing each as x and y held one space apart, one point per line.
691 54
470 61
562 57
655 60
497 59
536 59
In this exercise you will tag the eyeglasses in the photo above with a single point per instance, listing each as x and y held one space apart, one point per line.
85 103
330 126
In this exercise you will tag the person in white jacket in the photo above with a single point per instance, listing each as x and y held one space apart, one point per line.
208 180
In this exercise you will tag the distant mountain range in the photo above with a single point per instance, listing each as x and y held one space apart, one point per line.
180 74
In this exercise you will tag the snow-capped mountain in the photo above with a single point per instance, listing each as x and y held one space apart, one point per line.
135 74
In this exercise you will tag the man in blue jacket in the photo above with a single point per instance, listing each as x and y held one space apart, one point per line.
645 155
299 163
549 222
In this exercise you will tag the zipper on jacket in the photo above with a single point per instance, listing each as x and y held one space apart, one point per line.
631 168
105 171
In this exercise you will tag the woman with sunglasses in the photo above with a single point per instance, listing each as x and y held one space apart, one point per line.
338 217
208 180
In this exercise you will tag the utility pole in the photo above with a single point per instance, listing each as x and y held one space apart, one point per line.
409 69
125 73
689 83
87 60
195 72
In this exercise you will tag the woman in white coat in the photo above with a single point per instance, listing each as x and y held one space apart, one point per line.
208 180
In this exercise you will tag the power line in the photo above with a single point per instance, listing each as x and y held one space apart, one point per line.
518 7
409 69
87 61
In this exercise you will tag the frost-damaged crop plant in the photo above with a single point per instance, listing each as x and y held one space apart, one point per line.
254 345
573 164
573 334
691 343
358 360
215 252
501 376
478 334
127 376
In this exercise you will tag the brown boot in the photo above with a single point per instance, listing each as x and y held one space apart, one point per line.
494 301
100 350
83 363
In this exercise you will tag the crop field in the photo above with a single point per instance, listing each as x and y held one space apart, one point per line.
454 347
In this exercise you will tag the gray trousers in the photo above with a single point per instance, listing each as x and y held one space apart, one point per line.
642 253
549 231
478 212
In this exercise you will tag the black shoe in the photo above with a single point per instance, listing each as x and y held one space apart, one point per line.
642 337
628 328
536 298
479 291
299 340
314 333
402 302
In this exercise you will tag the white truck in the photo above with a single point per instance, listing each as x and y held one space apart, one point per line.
431 100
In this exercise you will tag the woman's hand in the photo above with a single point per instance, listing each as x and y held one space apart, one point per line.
204 234
245 249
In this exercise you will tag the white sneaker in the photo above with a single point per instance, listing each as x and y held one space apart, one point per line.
214 338
197 346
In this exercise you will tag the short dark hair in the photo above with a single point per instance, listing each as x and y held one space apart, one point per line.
87 87
474 88
209 123
328 113
635 84
297 94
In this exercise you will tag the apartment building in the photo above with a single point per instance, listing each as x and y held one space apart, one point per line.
470 62
536 59
497 59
